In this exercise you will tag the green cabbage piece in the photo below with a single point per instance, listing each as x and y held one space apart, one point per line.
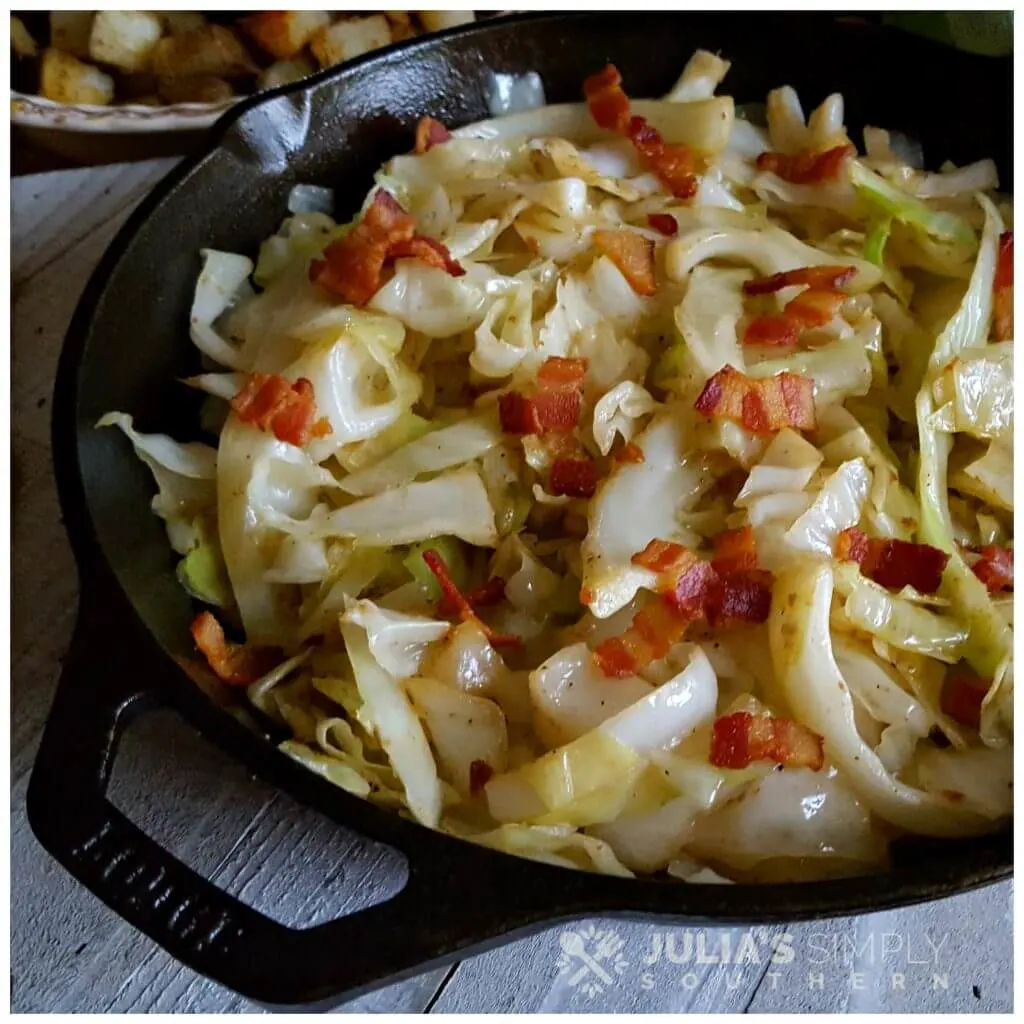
873 188
453 554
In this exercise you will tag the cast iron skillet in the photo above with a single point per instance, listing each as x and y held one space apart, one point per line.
128 343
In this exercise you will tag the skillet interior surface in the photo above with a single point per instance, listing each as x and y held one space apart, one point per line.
129 344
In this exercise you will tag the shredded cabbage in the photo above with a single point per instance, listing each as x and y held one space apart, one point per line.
555 414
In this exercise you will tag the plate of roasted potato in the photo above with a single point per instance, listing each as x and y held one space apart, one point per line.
130 72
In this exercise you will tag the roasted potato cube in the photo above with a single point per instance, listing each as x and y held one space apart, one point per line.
124 39
22 42
194 89
434 21
401 24
212 50
177 23
347 39
70 31
284 72
283 33
66 79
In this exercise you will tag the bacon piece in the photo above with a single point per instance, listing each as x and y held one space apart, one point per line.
651 635
961 697
663 223
608 103
814 307
894 564
430 133
694 587
774 329
852 546
430 251
518 414
630 452
234 664
1002 312
740 596
665 557
807 168
672 163
557 373
555 406
741 738
459 602
269 402
995 568
735 550
480 773
352 266
633 255
576 478
490 594
813 277
762 406
668 559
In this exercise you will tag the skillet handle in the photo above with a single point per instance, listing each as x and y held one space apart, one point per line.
449 903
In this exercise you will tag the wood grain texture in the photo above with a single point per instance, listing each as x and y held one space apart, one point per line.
69 953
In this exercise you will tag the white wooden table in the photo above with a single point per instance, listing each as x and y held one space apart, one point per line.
69 953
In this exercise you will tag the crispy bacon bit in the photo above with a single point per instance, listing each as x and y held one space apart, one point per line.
630 452
807 168
666 558
735 550
460 603
480 773
813 277
608 103
1002 313
269 402
741 738
663 223
813 307
961 698
430 251
430 133
633 255
774 329
762 406
576 478
852 546
672 163
518 414
693 588
557 373
893 563
609 106
555 406
995 568
651 635
740 596
234 664
352 266
490 594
